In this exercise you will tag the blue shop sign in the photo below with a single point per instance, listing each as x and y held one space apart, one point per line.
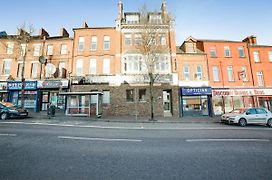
17 85
192 91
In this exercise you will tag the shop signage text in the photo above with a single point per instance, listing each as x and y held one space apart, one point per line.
191 91
241 92
17 85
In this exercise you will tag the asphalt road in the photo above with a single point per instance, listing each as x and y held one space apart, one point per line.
49 152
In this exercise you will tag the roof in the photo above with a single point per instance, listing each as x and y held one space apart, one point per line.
219 40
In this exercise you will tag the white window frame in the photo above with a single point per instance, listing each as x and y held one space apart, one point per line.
94 43
270 56
163 39
63 49
227 51
79 67
6 67
215 74
81 43
241 51
186 73
92 68
213 51
256 56
49 49
128 39
199 72
106 43
10 47
230 73
106 66
34 69
62 65
137 39
37 49
260 78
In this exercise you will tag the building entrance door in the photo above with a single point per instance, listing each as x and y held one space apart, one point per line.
167 106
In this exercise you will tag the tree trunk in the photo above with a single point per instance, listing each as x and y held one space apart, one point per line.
151 90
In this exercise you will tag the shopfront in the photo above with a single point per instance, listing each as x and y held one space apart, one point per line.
3 91
225 100
83 103
49 93
30 94
196 101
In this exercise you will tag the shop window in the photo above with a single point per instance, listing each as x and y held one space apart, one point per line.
106 97
228 104
217 105
238 102
130 95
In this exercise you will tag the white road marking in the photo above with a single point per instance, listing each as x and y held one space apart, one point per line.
221 140
98 139
12 135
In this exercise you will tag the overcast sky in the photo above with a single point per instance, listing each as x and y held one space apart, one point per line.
203 19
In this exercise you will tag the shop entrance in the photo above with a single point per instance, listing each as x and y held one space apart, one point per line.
195 106
167 106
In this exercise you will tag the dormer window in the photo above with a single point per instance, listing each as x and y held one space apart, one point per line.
132 19
190 47
155 18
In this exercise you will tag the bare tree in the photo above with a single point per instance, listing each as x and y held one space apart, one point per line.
155 29
20 49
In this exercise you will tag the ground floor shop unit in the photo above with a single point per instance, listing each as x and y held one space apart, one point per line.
226 99
49 92
134 99
195 101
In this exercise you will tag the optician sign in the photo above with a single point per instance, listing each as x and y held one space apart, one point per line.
241 92
195 91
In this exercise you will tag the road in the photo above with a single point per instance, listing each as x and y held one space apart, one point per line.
55 152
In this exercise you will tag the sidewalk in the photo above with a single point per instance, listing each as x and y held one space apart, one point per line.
42 116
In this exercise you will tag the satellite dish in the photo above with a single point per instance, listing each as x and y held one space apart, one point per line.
50 68
42 59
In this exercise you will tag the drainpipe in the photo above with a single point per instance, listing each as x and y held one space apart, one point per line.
250 64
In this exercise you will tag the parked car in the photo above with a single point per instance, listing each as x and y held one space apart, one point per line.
248 116
8 110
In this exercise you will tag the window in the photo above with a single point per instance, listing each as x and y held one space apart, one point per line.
62 70
213 51
155 18
230 73
152 39
81 42
63 49
162 64
130 95
199 72
256 56
163 40
34 70
251 111
190 47
244 71
133 63
106 43
94 98
6 66
270 56
49 50
92 69
138 39
132 19
241 51
142 95
106 66
19 70
186 73
36 49
128 40
106 97
79 67
215 73
260 78
10 47
227 51
261 111
94 43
